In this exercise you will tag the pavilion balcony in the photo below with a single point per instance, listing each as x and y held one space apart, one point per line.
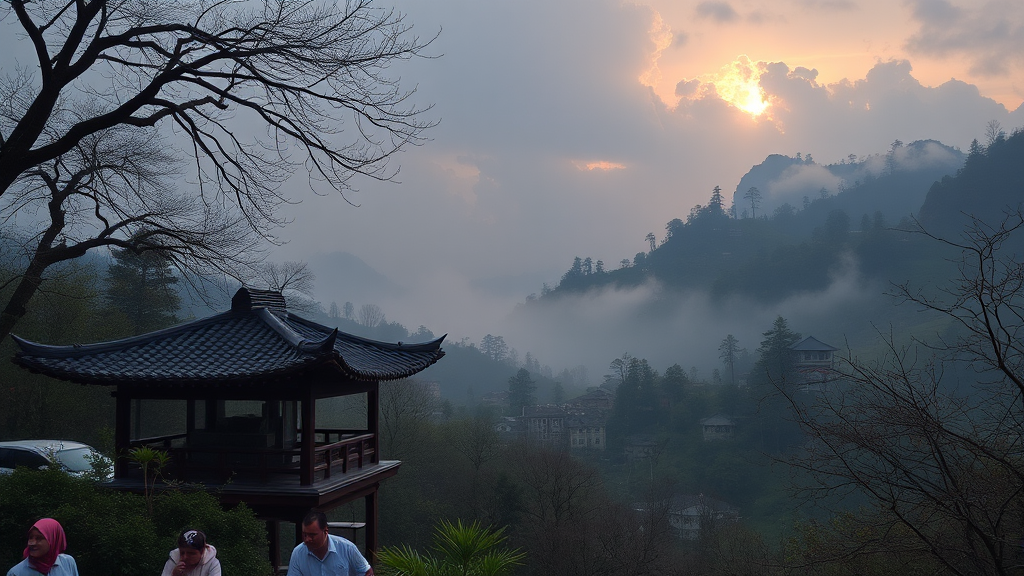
337 452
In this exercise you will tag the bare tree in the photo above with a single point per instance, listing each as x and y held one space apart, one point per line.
370 315
932 433
288 277
250 92
754 195
993 132
476 440
405 407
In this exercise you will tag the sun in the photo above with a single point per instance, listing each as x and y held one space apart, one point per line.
739 84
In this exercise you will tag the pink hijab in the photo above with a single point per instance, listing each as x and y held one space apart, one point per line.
54 535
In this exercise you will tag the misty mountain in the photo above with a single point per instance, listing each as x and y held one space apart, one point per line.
802 250
894 183
343 277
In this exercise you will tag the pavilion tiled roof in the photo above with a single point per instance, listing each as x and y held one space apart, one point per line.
257 340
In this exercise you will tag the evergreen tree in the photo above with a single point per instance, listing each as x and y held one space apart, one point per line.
673 383
520 391
776 360
636 400
715 204
140 289
729 351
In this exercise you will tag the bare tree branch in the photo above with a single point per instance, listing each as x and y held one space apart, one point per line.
247 93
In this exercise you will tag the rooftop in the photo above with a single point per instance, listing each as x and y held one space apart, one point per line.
811 343
258 340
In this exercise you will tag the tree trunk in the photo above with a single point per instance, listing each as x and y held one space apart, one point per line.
27 287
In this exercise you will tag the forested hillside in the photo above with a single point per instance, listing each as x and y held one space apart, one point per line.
770 256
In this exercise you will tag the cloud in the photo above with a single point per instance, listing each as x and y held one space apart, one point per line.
498 191
679 39
796 182
801 72
989 34
599 165
668 327
687 88
828 5
717 11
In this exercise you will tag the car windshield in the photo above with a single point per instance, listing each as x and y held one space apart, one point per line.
75 459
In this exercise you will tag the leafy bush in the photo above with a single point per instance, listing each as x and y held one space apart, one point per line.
111 532
240 538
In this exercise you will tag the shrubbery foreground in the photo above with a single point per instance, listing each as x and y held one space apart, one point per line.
111 532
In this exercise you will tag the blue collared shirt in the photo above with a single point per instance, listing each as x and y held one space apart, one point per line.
64 565
342 559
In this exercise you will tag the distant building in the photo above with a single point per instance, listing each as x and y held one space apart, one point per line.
545 425
814 363
585 433
717 427
689 514
596 399
640 447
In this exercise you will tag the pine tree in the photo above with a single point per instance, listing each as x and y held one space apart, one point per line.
729 351
141 289
520 391
775 362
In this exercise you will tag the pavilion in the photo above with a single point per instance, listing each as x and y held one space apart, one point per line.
245 384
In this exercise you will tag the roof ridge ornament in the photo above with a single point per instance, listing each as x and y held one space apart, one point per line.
251 298
320 346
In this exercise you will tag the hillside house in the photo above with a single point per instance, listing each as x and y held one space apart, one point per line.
641 447
545 425
689 514
596 400
585 432
717 427
814 363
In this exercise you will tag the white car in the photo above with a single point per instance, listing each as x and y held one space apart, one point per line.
74 457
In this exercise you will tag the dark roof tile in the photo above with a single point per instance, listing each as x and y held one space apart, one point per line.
245 344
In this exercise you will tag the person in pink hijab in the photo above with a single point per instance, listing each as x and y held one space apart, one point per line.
44 552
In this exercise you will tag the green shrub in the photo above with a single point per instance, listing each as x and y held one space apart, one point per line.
111 532
240 538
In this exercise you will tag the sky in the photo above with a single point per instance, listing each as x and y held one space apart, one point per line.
576 127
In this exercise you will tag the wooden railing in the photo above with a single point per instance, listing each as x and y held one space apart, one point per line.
337 451
356 451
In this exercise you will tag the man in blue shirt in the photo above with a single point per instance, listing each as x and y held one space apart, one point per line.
323 554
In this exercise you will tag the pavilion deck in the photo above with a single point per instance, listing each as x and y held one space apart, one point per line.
338 455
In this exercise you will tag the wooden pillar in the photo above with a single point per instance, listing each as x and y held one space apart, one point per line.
371 525
190 417
274 536
210 413
122 430
373 419
137 428
308 458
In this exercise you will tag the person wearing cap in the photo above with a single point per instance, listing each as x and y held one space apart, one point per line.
44 552
323 554
192 557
